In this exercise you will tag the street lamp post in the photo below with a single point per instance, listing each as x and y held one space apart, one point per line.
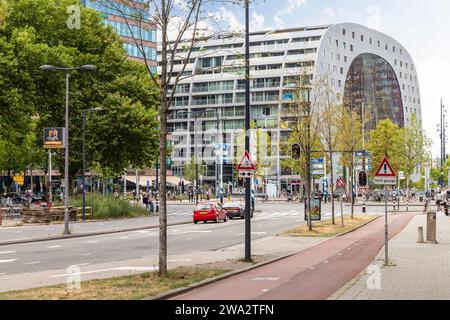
66 136
248 256
83 169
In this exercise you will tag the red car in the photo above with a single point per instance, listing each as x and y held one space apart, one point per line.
209 211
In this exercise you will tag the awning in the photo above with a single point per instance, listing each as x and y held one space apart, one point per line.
171 180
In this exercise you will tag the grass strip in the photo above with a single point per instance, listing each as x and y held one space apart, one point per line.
132 287
326 229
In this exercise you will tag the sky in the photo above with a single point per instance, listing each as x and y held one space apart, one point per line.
422 27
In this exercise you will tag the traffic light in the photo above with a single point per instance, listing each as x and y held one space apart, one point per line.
296 151
362 179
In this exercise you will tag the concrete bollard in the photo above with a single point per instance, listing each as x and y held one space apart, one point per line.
420 235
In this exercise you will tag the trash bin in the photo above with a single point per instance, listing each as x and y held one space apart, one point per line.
431 227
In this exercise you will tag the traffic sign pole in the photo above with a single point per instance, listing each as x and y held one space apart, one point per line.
386 227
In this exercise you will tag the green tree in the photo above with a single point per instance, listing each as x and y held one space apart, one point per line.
32 37
386 141
413 151
349 141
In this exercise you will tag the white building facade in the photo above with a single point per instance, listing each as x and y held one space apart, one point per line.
208 112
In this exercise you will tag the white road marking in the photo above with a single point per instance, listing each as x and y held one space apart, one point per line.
92 241
188 239
6 252
254 233
34 262
15 232
108 269
83 264
312 268
265 290
265 279
2 274
53 247
179 260
325 261
86 254
192 231
339 254
6 261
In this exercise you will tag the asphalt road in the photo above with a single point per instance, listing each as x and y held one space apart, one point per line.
55 254
38 263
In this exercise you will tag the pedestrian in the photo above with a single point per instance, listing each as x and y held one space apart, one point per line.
152 207
145 200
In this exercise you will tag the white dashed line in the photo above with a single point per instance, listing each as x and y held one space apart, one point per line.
34 262
265 290
105 270
92 241
6 252
6 261
265 279
188 239
53 247
86 254
179 260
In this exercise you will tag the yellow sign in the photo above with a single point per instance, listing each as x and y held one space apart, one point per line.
20 180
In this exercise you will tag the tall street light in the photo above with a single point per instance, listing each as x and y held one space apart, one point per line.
84 157
66 135
248 256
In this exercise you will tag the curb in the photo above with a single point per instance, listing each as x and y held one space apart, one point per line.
179 291
87 234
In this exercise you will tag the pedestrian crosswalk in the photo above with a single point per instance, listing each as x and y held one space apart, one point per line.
264 214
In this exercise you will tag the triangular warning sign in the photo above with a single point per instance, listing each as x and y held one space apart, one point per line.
385 169
246 163
340 183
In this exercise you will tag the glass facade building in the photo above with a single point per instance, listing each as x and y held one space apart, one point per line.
372 81
112 13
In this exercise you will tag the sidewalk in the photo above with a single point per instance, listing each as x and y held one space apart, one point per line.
420 271
314 273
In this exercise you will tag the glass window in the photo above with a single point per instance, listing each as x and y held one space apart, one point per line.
371 79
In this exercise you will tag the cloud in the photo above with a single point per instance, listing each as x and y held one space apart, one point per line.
328 12
257 22
289 10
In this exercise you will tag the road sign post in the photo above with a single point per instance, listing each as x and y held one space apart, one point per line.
246 170
386 176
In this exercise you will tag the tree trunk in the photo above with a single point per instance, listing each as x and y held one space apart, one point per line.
332 189
162 190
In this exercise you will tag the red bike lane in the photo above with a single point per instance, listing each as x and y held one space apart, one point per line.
312 274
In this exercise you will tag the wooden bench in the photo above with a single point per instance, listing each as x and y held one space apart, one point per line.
89 213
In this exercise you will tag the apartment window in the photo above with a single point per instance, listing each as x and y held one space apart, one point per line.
406 65
362 38
345 45
339 83
338 57
353 35
351 48
395 61
379 44
401 63
343 32
337 43
345 58
393 49
401 74
386 47
401 51
342 70
370 41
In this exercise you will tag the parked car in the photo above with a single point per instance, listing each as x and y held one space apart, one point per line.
209 211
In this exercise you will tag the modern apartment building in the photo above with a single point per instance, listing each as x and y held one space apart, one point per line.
112 13
363 67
